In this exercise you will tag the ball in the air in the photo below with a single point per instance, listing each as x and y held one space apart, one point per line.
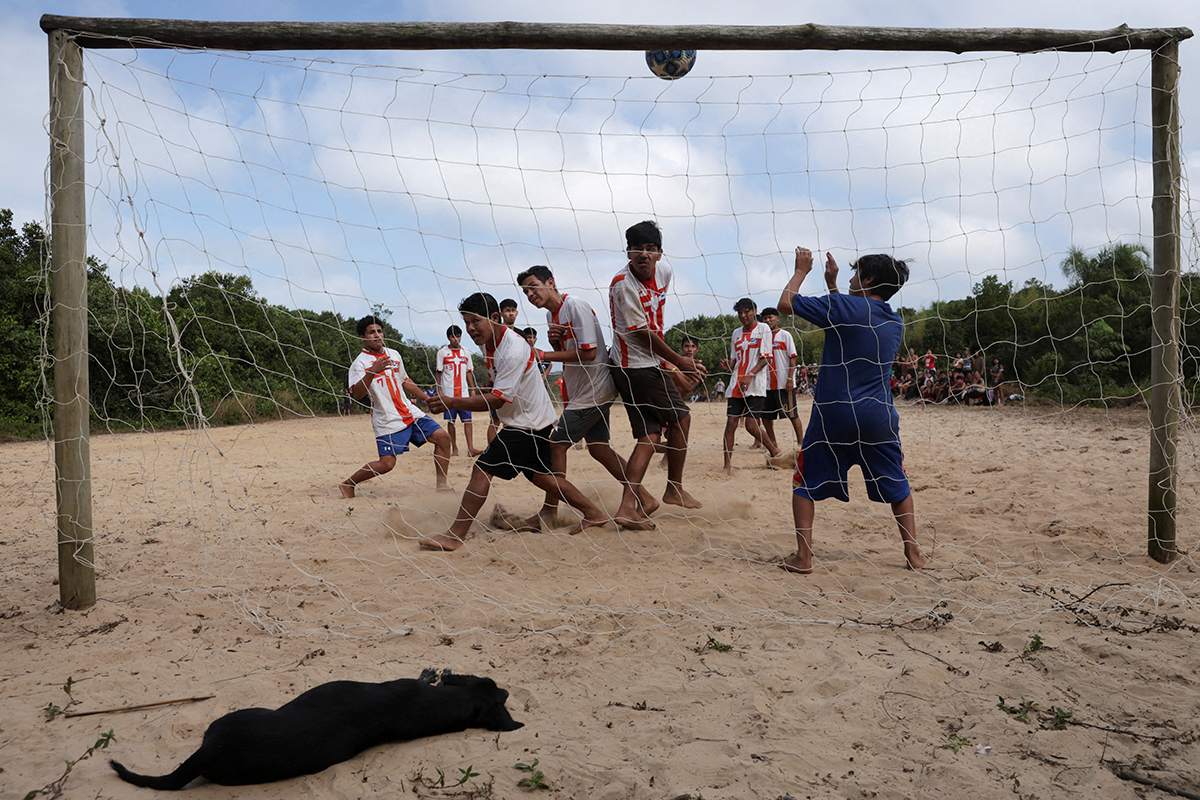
670 64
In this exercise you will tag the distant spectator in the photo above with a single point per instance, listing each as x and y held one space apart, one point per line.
996 374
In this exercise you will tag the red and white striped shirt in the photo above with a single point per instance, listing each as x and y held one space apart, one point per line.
391 409
513 367
636 305
748 347
452 368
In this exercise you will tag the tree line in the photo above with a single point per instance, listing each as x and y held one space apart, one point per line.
214 349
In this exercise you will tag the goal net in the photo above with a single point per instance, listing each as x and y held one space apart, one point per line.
245 209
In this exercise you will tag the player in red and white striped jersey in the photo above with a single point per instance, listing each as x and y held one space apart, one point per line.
456 378
378 372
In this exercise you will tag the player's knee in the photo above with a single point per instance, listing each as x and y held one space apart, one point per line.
385 464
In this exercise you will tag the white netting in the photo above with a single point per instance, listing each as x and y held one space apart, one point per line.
245 209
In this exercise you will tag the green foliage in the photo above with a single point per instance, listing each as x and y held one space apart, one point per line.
24 302
1035 644
1061 717
713 644
955 743
214 348
535 779
55 787
53 711
1019 712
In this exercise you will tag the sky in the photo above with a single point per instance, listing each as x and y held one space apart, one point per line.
408 180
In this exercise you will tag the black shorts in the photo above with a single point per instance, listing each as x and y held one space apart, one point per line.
517 451
773 407
746 407
651 399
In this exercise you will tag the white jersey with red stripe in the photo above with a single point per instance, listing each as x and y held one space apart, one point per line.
585 385
636 305
391 409
452 368
748 346
785 350
513 367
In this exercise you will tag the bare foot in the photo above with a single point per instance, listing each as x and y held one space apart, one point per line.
676 496
793 563
446 542
635 524
454 454
347 490
727 471
586 523
648 503
535 522
914 557
474 453
445 487
756 446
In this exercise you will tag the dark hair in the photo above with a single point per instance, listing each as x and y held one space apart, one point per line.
645 232
689 338
453 330
366 322
770 312
481 304
527 332
507 302
888 274
745 302
543 274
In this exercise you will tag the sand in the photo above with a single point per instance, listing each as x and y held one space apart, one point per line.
675 662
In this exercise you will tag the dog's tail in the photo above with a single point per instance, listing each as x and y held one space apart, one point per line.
188 771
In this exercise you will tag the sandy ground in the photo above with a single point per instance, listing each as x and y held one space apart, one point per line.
679 661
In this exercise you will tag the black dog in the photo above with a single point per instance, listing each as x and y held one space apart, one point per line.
331 723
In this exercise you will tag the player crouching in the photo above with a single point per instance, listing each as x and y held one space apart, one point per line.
523 445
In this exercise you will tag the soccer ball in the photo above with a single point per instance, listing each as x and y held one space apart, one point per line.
670 64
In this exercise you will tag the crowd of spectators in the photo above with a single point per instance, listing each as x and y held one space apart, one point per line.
966 380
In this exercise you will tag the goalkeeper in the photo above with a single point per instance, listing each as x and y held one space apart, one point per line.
853 419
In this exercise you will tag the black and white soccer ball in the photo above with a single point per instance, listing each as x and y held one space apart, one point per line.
670 64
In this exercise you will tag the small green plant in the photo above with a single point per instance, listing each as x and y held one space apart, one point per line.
466 775
720 647
535 779
955 743
1035 644
55 788
52 710
1061 717
1019 712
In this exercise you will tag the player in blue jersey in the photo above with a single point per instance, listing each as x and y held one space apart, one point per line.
853 419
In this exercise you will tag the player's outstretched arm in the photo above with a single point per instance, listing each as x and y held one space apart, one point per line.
804 262
831 273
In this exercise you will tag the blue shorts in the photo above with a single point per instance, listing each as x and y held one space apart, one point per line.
417 434
823 468
450 415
